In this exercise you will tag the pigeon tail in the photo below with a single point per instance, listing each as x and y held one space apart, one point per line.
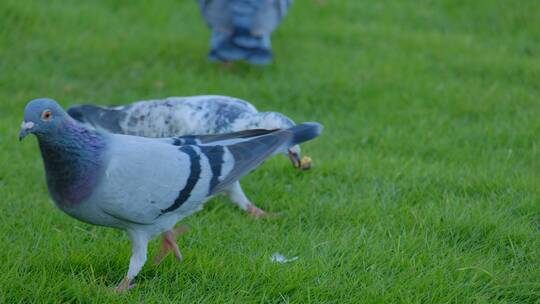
304 132
250 153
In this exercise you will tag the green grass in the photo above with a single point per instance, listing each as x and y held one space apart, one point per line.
426 181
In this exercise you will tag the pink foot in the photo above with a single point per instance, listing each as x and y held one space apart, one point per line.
255 211
125 285
168 244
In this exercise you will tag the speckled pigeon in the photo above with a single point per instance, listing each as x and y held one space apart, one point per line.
176 116
241 29
143 185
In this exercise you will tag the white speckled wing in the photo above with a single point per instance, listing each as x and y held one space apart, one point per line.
183 115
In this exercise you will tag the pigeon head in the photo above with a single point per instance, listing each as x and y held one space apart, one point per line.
41 117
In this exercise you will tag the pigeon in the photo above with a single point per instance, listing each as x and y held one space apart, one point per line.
175 116
142 185
241 29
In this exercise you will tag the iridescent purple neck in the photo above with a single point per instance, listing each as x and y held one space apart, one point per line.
74 161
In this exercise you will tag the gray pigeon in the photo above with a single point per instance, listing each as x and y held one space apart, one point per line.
143 185
241 29
176 116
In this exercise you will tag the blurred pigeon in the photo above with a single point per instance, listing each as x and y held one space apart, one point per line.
241 29
177 116
143 185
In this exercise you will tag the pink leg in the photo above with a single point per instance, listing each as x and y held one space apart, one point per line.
228 65
168 244
125 285
238 197
255 211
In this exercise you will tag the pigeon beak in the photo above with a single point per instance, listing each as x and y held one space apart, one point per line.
26 128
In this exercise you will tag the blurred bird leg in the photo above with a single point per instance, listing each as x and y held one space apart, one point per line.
168 244
255 211
228 65
295 159
238 197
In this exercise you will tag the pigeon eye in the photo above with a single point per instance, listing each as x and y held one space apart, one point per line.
46 115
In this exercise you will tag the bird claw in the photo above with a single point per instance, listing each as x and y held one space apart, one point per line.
168 244
125 285
257 212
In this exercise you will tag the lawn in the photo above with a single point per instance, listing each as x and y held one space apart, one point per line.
426 181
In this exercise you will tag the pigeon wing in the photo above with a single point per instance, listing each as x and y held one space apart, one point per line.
215 139
145 176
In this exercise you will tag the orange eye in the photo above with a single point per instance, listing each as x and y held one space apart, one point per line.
46 115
